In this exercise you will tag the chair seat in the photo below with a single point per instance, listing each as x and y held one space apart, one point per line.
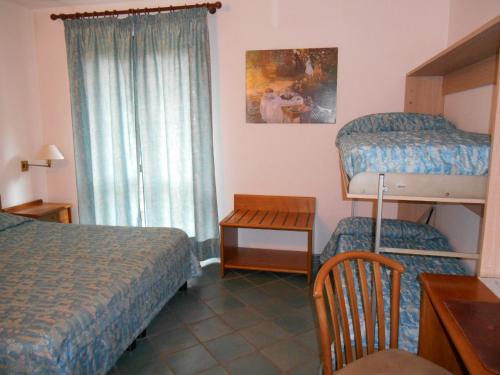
393 361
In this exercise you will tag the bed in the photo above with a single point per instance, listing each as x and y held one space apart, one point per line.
74 297
422 157
413 157
358 233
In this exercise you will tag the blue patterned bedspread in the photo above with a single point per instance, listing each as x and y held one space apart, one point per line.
73 297
411 143
357 233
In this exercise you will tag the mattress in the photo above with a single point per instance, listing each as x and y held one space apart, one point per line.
411 143
73 297
358 233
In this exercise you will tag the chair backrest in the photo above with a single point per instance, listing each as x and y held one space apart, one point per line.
360 276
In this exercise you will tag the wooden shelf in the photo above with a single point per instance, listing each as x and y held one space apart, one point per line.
472 62
271 213
266 260
475 47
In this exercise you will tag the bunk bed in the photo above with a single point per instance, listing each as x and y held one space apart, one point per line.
469 63
412 156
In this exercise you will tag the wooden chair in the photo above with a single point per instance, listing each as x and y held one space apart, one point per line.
349 274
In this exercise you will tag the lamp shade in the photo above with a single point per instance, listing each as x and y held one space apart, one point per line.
49 152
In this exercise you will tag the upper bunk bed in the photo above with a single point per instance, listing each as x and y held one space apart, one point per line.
469 63
421 157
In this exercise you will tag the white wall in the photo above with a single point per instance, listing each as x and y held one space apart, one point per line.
468 15
378 43
20 127
470 110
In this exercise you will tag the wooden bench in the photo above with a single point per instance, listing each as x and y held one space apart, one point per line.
272 213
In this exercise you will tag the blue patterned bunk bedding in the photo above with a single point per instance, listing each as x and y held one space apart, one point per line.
358 233
411 143
73 297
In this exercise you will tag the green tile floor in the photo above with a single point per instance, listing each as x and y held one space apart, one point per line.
246 323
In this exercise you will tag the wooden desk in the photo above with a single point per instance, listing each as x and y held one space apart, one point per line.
45 211
441 338
273 213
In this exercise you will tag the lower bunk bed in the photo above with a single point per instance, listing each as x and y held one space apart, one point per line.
358 233
74 297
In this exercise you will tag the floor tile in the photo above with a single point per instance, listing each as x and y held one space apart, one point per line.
224 304
309 368
207 292
114 371
174 340
217 370
253 296
162 323
193 312
236 285
229 347
294 323
190 361
180 299
286 354
280 288
273 308
264 334
242 318
252 364
155 367
310 340
298 281
144 352
244 321
210 329
233 274
260 278
299 299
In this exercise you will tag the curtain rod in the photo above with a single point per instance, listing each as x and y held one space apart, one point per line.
212 8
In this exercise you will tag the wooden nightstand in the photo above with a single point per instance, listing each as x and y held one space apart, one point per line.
40 210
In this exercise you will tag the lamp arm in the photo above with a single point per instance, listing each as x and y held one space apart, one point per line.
25 165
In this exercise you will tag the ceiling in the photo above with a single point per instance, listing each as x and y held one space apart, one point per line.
37 4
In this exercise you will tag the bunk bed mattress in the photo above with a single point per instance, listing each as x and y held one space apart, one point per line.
73 297
401 142
358 233
438 152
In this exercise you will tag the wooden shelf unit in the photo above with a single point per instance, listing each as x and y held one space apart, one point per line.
269 213
471 62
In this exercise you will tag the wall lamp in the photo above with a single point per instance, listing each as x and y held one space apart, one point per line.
47 153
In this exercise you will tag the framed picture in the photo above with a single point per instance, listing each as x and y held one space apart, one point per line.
291 86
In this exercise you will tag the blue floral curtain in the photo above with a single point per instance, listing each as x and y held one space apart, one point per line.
141 107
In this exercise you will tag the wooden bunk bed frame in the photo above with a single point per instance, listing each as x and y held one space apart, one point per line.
469 63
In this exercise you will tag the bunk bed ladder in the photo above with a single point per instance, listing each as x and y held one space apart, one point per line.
380 203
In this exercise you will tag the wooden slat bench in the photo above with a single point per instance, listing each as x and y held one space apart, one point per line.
272 213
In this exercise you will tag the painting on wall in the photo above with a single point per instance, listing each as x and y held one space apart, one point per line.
291 86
